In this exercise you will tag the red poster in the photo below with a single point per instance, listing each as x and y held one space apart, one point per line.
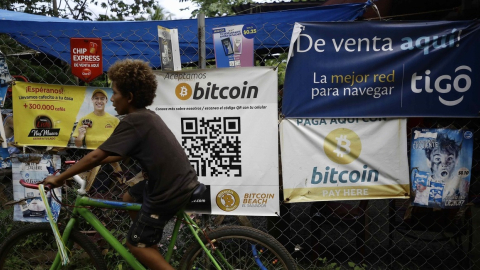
86 58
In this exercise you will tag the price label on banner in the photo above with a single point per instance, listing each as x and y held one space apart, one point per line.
86 58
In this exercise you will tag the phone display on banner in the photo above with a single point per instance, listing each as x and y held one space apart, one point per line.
440 166
383 69
234 45
217 116
61 115
339 159
33 168
169 49
5 78
86 58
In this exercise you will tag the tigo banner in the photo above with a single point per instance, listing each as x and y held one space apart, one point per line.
383 69
61 115
226 120
344 159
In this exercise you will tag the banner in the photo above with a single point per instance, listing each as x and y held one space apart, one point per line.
233 45
226 120
62 115
383 69
33 168
440 165
344 159
169 49
86 58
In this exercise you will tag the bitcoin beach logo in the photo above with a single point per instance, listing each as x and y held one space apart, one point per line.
183 91
342 146
227 200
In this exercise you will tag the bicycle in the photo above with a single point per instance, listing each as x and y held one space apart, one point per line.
230 247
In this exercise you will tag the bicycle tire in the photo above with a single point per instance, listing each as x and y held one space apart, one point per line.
34 247
238 244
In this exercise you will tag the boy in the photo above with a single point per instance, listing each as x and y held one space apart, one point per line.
142 135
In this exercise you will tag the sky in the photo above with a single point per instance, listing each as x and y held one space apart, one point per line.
174 6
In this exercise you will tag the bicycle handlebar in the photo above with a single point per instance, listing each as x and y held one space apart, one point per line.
33 186
77 179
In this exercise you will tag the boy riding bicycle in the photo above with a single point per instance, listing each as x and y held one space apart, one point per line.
142 135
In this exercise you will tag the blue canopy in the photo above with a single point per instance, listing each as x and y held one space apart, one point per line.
138 39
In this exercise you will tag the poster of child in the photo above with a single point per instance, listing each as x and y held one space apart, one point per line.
441 161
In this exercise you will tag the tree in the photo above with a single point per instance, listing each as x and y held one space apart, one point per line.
216 8
78 9
156 13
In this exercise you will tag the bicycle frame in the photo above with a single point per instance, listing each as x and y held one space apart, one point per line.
80 210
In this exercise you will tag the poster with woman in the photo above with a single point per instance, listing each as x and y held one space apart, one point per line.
440 166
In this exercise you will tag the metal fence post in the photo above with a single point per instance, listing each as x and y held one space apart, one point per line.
201 41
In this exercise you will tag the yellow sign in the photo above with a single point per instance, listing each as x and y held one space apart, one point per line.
61 115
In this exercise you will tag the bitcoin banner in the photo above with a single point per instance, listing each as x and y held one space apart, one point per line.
344 159
61 115
226 120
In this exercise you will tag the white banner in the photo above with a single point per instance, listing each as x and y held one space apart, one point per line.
226 120
33 168
344 159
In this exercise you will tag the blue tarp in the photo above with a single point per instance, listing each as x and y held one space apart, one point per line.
138 39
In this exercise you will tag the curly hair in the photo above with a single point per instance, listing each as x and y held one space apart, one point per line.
136 77
444 145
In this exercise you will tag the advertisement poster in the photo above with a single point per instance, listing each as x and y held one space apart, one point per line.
86 58
383 69
33 168
234 45
226 120
344 159
61 115
169 49
440 165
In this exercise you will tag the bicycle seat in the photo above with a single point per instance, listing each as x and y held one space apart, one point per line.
200 200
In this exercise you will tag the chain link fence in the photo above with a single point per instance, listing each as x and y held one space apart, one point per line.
374 234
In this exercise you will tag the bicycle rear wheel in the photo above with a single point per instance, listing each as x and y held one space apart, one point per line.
34 247
242 248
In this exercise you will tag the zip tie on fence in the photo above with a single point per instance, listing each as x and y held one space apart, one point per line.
61 246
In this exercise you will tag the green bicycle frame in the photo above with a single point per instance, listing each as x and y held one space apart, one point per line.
80 209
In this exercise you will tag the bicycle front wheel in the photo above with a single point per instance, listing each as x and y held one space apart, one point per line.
34 247
238 247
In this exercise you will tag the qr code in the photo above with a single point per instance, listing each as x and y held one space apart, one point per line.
213 145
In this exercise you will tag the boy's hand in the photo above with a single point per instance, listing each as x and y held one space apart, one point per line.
54 180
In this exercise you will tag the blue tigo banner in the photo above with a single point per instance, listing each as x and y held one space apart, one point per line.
387 69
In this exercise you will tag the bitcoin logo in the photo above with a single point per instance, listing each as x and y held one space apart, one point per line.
183 91
227 200
342 146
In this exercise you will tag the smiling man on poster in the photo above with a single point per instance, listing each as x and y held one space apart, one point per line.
94 128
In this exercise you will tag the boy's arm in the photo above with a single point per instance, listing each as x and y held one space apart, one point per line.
93 159
112 159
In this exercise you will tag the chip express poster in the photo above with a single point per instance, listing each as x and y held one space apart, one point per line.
233 45
344 159
383 69
440 165
226 120
33 169
62 115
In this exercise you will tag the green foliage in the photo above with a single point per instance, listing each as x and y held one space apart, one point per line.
78 9
325 265
216 8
